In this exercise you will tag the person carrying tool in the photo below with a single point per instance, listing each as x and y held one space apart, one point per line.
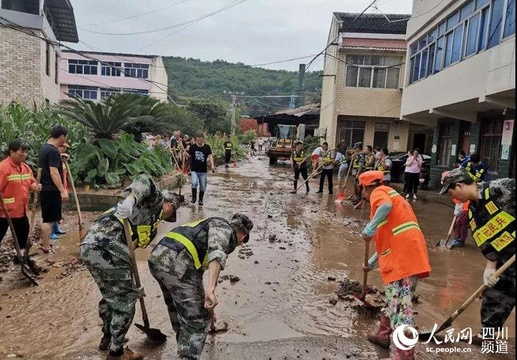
491 217
341 160
105 253
401 252
299 165
326 158
384 164
228 147
16 181
358 164
178 262
56 230
477 170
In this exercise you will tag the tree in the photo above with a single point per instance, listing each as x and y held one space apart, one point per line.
213 113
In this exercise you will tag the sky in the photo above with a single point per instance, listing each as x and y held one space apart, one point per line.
253 32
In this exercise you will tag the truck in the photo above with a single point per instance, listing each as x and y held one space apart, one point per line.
282 144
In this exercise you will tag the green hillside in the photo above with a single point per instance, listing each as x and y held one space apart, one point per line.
192 78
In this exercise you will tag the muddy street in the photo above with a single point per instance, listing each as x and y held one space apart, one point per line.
277 293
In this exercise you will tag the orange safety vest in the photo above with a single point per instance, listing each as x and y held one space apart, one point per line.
399 241
15 182
465 206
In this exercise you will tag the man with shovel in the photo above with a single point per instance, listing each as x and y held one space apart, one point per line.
491 217
178 263
299 165
401 251
105 253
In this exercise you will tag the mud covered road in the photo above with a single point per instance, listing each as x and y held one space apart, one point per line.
277 293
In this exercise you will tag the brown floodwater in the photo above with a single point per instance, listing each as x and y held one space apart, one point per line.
280 306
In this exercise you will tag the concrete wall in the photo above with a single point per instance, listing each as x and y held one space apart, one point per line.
158 74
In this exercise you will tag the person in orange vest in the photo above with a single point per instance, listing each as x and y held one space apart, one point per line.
16 180
401 252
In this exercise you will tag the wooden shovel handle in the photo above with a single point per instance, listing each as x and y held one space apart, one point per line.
366 258
79 215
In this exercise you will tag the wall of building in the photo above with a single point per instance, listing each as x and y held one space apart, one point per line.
159 76
50 88
20 64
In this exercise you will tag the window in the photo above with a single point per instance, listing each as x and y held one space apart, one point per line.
352 131
136 91
491 136
86 67
111 69
373 71
496 20
444 151
47 58
380 137
108 92
56 69
478 25
136 70
509 24
85 92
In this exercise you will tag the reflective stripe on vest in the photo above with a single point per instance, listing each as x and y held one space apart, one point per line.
228 146
405 227
144 233
477 176
189 245
9 200
299 157
499 231
368 167
327 157
18 177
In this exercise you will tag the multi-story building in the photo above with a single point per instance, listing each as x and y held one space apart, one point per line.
29 54
461 80
96 75
362 83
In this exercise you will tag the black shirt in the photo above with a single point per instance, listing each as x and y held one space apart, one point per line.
174 143
199 157
49 156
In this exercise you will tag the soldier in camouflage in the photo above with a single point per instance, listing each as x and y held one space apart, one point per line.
493 225
178 263
105 253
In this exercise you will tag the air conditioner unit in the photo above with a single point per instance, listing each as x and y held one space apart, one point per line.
320 132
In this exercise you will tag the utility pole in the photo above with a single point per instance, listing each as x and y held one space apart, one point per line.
301 80
234 106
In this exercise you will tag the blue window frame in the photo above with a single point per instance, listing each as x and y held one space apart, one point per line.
509 24
85 67
136 70
476 26
85 92
111 69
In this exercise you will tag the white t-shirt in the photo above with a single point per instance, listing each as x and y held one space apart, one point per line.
317 151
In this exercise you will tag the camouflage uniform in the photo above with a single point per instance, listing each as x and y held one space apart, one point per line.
181 277
499 300
106 255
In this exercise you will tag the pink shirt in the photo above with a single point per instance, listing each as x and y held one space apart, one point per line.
413 164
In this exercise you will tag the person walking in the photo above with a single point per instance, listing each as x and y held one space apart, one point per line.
491 216
342 161
412 171
105 253
401 252
16 181
53 193
228 147
199 154
299 165
326 158
260 145
178 262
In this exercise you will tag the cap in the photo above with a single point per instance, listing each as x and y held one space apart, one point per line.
243 222
444 174
358 145
174 199
370 178
66 145
453 177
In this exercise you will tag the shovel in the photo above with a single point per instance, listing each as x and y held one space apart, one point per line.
26 271
442 242
313 174
79 215
154 334
424 336
341 195
362 297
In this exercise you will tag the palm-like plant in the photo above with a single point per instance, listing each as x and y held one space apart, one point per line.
111 115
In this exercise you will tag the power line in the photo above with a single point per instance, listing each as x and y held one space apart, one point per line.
137 15
222 9
283 61
412 16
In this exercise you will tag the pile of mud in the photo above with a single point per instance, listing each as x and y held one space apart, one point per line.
349 287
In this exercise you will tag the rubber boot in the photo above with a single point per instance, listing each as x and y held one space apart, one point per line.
194 196
54 236
105 342
126 355
56 230
295 184
382 338
201 195
307 186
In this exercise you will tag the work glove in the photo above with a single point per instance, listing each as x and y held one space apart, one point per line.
488 279
458 209
125 208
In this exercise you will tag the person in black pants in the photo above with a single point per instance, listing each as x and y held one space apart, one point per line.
327 159
299 165
228 147
412 173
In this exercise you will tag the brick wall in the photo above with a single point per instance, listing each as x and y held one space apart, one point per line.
22 69
49 89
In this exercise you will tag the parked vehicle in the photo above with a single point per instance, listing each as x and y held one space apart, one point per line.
282 144
398 166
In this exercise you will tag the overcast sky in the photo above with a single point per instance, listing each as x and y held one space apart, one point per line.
251 32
